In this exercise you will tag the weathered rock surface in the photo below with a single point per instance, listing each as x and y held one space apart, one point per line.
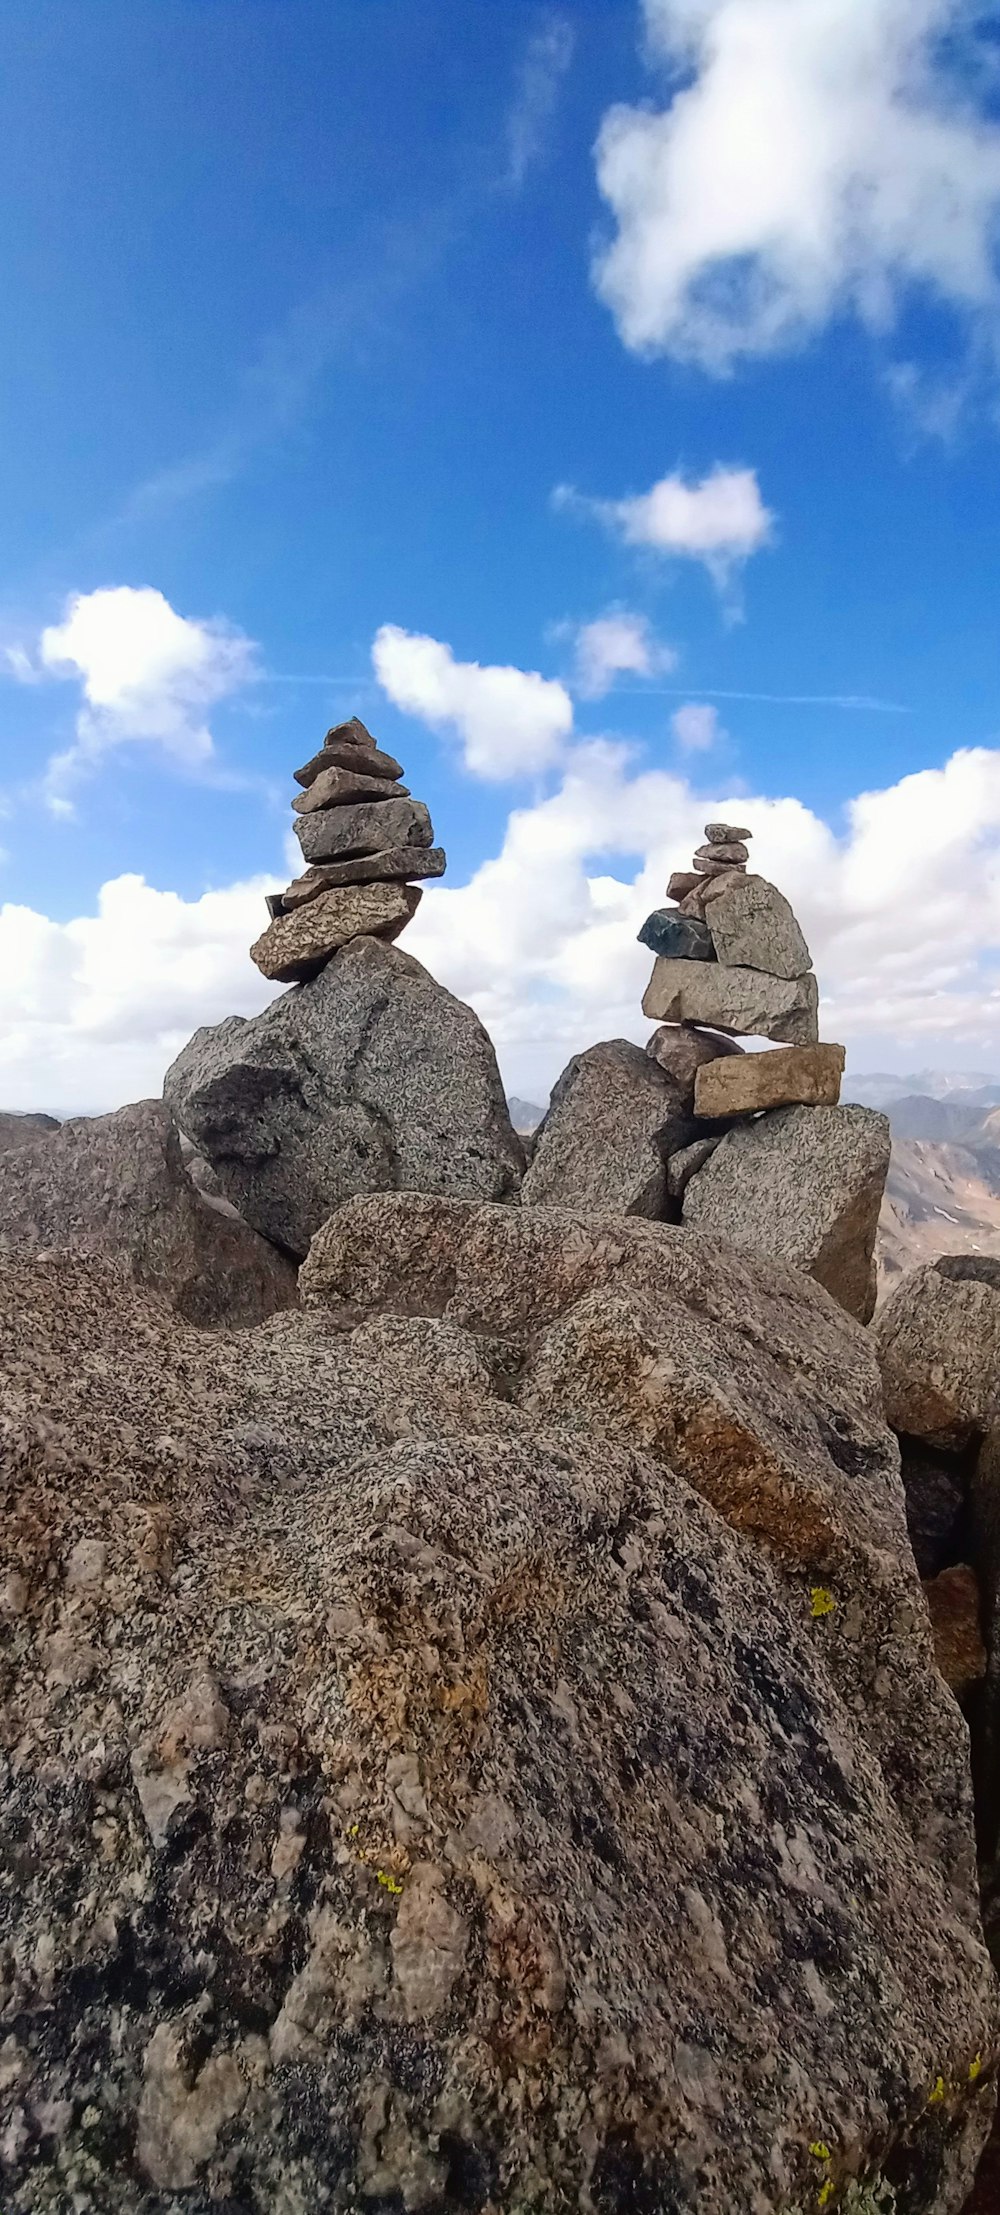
295 946
117 1185
365 828
334 787
753 927
684 1165
400 862
790 1076
954 1609
23 1130
369 1078
681 1050
349 753
679 937
614 1118
418 1795
731 854
726 834
734 1000
938 1342
805 1185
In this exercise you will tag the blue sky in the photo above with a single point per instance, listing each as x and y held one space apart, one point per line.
311 308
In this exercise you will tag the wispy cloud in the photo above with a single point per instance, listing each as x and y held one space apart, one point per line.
543 67
854 701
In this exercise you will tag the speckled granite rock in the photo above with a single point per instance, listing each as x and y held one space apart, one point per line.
752 926
803 1184
369 1078
733 1000
294 947
117 1185
417 1796
938 1340
614 1118
680 1049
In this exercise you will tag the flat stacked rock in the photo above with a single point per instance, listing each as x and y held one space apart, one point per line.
772 1161
365 841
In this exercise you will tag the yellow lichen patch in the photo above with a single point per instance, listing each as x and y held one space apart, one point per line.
938 2093
975 2068
821 1602
390 1883
826 2193
819 2151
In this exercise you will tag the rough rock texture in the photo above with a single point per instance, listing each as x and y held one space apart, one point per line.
492 1761
733 1000
753 927
117 1185
613 1119
400 862
804 1184
680 1050
680 937
371 1078
335 786
684 1165
348 753
954 1609
366 828
791 1076
938 1342
295 946
24 1130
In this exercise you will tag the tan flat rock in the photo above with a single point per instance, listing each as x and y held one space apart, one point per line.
791 1076
341 753
336 788
295 946
397 863
741 1000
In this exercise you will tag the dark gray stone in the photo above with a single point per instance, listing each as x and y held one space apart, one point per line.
679 937
370 1078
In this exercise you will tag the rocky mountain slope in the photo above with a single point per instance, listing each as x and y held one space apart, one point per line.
474 1742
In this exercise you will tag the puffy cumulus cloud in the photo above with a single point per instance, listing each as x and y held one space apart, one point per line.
146 674
696 727
93 1011
613 645
816 155
901 910
510 722
720 520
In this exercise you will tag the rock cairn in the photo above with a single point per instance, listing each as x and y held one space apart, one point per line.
731 954
365 841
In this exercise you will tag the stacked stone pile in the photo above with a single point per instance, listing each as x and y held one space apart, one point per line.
365 840
731 954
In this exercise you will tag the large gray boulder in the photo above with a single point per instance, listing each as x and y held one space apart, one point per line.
938 1341
117 1185
804 1184
613 1121
370 1078
486 1759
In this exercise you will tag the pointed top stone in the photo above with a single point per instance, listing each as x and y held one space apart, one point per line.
353 733
725 834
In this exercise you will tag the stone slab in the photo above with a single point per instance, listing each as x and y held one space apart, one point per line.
295 946
398 863
740 1000
335 788
369 761
791 1076
369 827
754 927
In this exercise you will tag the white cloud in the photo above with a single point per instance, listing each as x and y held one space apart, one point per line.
696 727
720 520
147 674
546 60
817 156
511 722
617 644
902 913
93 1011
